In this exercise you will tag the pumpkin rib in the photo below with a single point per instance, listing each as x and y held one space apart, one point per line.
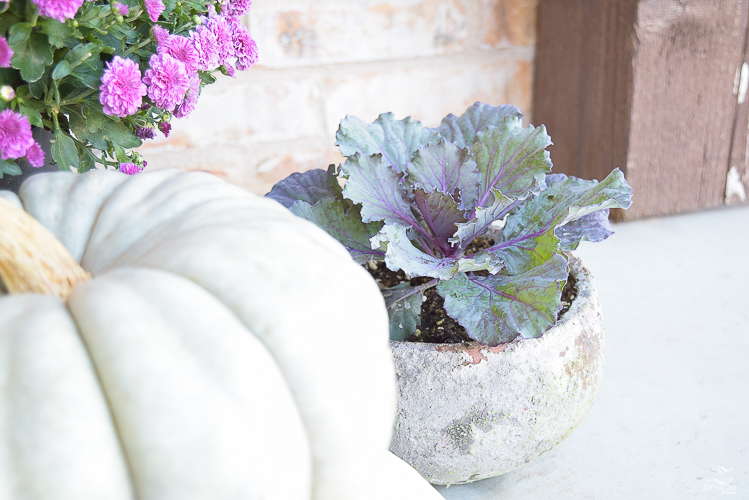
52 198
58 432
201 427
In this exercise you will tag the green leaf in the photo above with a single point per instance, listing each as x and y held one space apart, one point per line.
64 151
80 53
9 167
95 118
79 127
120 134
32 56
37 88
35 118
497 309
88 161
7 20
62 70
396 141
57 32
23 91
120 153
344 225
207 78
19 33
403 303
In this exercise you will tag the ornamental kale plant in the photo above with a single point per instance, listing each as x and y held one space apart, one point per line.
417 197
103 75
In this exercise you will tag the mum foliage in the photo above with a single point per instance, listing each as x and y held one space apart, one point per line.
418 197
103 75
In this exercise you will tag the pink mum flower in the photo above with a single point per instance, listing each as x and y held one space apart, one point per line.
245 48
15 135
236 8
182 49
58 9
154 9
129 168
6 53
221 30
191 98
207 47
167 81
121 9
121 89
35 155
160 34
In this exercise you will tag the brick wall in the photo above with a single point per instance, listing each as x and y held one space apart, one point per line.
323 59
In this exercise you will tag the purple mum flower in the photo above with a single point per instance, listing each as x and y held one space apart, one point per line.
58 9
236 8
35 155
167 81
160 34
121 88
154 9
144 133
245 48
6 53
191 98
182 49
165 128
220 28
207 47
121 9
129 168
15 134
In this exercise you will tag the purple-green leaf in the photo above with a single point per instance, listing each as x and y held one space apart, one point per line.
462 130
512 159
345 225
528 238
403 303
310 186
441 214
395 140
483 219
371 182
593 227
446 168
401 253
497 309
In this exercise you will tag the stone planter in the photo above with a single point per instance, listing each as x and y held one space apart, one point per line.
468 411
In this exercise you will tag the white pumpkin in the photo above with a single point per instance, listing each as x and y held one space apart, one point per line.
224 349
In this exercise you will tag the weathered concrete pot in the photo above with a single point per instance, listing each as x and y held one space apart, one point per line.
468 412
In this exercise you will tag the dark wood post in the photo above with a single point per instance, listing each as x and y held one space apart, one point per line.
649 86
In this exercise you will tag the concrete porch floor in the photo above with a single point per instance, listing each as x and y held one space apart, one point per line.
671 419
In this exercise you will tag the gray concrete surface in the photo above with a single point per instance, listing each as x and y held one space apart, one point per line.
671 420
